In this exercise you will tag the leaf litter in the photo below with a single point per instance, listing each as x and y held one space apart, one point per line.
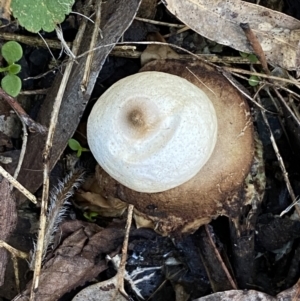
220 21
273 38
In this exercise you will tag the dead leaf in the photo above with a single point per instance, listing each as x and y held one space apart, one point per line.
291 294
147 9
220 21
103 291
76 261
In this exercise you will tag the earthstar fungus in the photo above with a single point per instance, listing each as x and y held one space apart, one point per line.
179 154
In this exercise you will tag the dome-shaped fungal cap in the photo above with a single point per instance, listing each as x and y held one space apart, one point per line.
209 193
152 131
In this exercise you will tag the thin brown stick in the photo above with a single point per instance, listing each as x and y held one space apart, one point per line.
275 78
32 41
230 279
15 254
261 56
95 36
255 46
286 106
34 92
23 149
185 28
118 50
14 251
122 270
279 158
160 23
32 125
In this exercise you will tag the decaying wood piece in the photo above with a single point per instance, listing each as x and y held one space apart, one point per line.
7 222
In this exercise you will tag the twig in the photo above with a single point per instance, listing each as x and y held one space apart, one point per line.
286 106
122 269
32 125
32 41
64 44
255 46
118 50
34 92
46 160
160 23
23 149
217 254
287 209
280 112
17 185
185 28
14 254
261 56
276 78
14 251
89 59
241 88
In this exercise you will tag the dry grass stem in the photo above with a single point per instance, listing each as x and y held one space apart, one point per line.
95 36
17 185
160 23
279 158
15 254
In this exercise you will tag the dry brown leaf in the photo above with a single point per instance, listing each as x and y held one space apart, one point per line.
291 294
220 20
5 11
77 260
105 291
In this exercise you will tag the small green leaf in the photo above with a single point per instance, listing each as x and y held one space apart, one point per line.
4 69
35 15
79 152
253 80
74 145
90 216
85 149
11 84
14 68
252 58
12 52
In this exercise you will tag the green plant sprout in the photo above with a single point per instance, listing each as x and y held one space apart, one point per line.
11 83
250 56
75 146
90 216
253 81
